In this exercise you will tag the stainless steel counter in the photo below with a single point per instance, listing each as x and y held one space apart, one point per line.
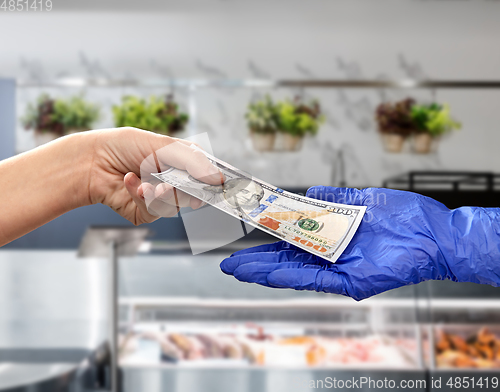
251 380
17 376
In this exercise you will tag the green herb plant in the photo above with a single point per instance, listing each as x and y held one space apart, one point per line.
160 115
76 114
261 116
60 115
434 119
298 118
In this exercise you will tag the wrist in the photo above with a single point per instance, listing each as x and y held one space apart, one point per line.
102 181
471 245
77 153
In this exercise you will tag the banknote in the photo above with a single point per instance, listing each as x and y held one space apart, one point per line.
319 227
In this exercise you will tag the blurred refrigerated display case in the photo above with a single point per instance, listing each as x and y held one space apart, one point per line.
266 342
317 333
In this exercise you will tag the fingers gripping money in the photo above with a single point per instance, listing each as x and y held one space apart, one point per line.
238 192
162 199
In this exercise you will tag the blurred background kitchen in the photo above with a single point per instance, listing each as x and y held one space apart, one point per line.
395 93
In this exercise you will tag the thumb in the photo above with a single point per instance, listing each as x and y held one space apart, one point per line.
200 167
181 155
350 196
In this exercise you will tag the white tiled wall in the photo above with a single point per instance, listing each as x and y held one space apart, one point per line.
281 39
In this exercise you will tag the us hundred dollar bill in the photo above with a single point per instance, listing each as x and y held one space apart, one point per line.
319 227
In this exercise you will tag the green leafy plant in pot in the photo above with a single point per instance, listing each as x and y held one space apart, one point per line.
43 119
297 119
431 121
262 123
53 118
157 114
76 114
395 123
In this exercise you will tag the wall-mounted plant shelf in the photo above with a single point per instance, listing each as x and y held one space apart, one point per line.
266 83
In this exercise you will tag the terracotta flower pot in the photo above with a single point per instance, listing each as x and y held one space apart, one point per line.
422 143
263 141
291 142
45 137
393 142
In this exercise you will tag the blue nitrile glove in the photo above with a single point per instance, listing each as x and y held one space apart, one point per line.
404 238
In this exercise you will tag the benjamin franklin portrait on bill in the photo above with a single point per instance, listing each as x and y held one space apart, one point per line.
239 193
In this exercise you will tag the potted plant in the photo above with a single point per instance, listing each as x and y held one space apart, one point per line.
76 114
160 115
43 119
53 118
297 119
431 121
261 120
395 123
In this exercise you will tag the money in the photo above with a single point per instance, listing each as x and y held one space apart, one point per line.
319 227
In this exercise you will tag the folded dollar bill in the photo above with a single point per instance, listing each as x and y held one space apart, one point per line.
319 227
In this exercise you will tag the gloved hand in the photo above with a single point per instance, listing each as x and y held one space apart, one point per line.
404 238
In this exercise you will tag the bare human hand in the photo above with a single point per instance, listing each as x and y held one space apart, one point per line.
121 173
109 166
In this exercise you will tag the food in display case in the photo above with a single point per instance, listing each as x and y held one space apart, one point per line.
247 346
335 352
459 350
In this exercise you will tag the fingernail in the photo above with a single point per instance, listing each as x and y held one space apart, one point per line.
134 180
164 192
196 203
148 194
167 195
140 192
214 174
217 177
